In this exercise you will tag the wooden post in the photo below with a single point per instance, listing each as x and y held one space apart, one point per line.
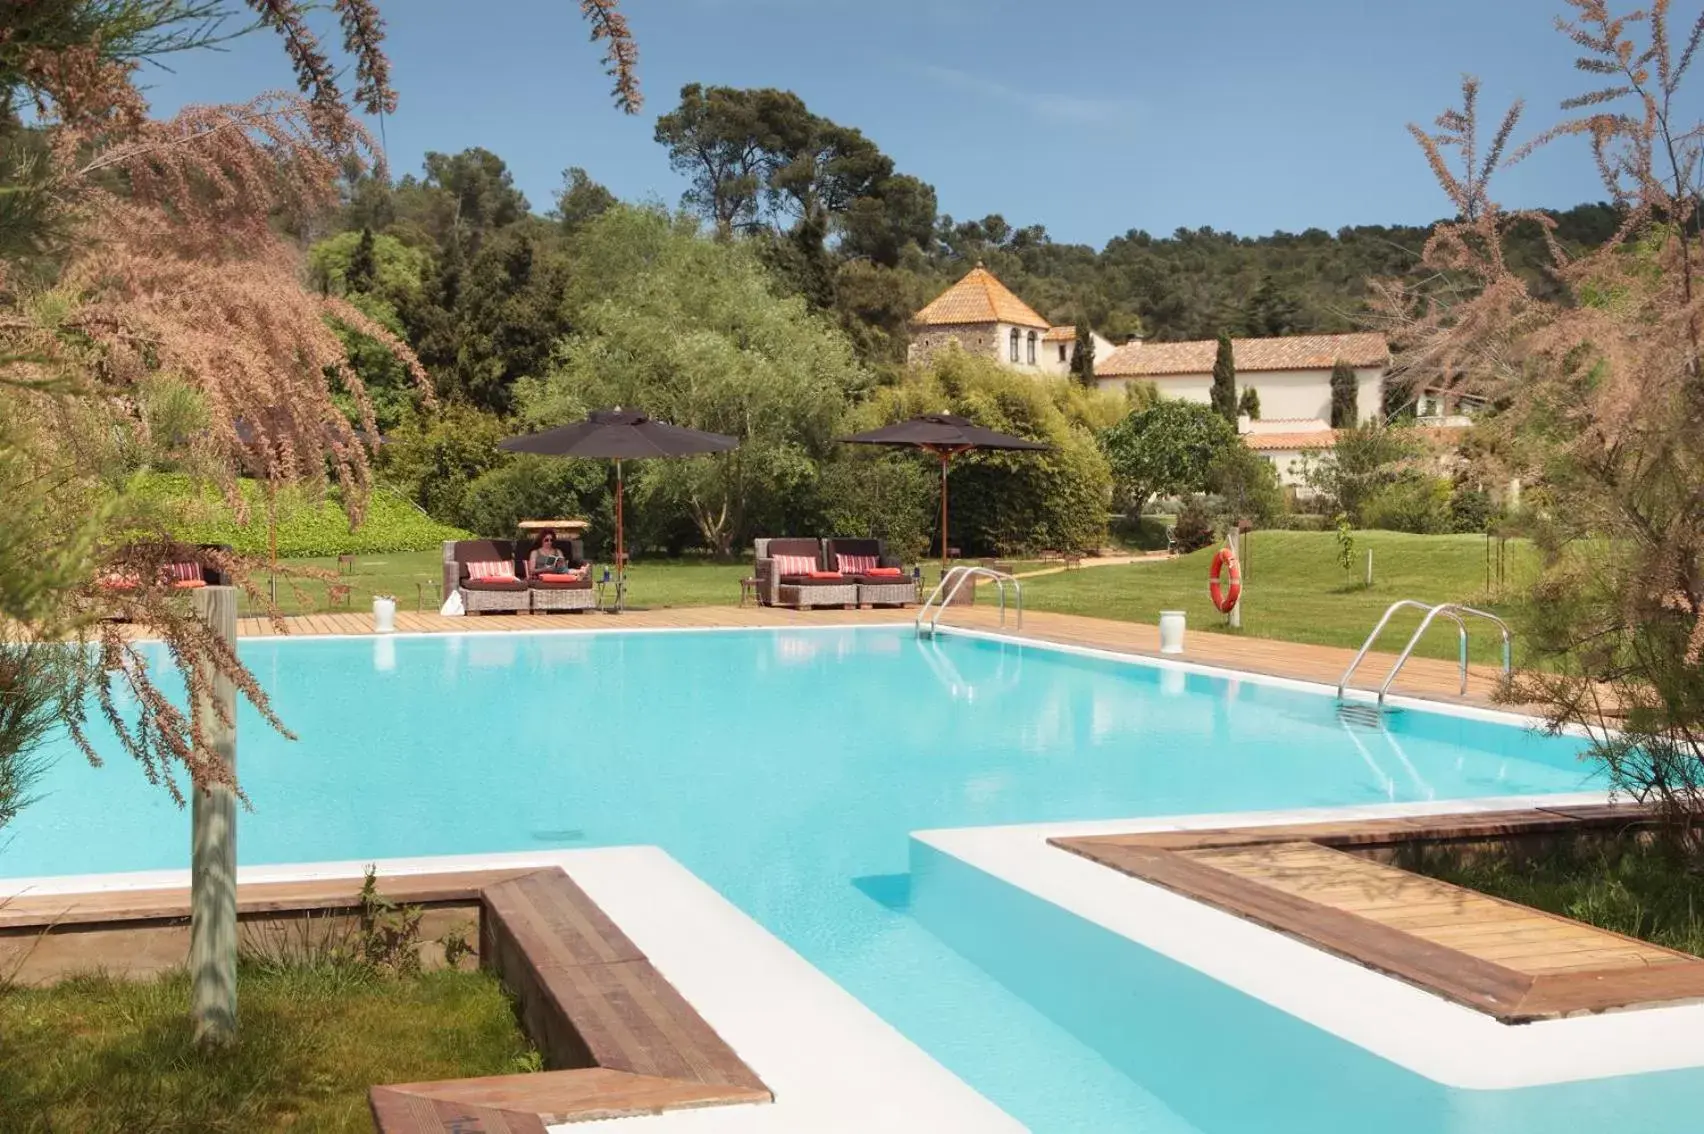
1234 538
213 853
1369 568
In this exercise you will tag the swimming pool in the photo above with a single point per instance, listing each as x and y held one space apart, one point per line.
787 769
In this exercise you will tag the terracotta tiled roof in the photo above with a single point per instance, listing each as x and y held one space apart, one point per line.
1314 439
1293 352
1060 335
1434 436
978 298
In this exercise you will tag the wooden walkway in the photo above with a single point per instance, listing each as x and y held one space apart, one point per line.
1317 883
1422 677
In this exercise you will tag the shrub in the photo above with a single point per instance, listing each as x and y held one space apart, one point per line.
1194 528
535 488
1004 503
1141 533
1415 504
196 513
1166 450
1471 510
432 458
1247 483
888 497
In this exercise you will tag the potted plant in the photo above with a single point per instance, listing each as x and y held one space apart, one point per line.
384 613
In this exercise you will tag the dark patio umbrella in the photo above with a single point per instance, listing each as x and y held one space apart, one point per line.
945 435
619 435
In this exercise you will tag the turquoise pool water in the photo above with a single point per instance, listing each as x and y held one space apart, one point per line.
787 769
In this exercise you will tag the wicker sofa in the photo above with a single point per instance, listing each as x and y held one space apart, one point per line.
552 594
873 590
776 587
491 596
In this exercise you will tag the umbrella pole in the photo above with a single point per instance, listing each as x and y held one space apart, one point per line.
945 457
620 556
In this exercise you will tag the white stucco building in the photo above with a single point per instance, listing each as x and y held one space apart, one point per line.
1291 374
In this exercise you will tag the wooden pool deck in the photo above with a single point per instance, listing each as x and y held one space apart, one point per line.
1421 677
1327 885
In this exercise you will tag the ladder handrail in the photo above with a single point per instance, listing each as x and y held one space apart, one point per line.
1453 611
958 576
1448 611
1343 682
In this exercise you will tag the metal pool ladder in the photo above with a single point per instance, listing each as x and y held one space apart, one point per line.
1455 612
929 614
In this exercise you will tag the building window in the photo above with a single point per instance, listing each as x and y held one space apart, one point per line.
1062 349
1014 344
1431 405
1032 348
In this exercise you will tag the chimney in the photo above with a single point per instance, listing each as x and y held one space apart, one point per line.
1134 340
1245 423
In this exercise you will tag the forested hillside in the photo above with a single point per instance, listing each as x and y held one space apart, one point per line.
481 282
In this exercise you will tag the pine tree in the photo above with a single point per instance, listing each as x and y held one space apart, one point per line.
1083 358
1224 394
1249 403
1345 411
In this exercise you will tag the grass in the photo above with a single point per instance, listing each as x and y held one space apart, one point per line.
415 578
1644 889
96 1054
1294 590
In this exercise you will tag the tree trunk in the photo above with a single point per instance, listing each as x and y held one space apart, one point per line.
213 855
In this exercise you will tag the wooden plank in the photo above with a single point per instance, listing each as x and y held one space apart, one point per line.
588 995
65 911
551 1097
1468 980
559 919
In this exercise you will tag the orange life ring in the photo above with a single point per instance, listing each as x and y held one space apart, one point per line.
1226 601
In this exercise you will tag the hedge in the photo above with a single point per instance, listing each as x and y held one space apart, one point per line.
306 527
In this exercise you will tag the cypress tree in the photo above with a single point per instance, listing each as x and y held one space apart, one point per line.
1224 393
1344 408
1249 403
1083 359
363 264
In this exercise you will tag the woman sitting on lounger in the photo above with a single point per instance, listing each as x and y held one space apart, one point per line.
547 558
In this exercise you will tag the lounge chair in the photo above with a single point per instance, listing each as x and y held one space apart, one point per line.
881 578
790 572
489 577
571 590
180 569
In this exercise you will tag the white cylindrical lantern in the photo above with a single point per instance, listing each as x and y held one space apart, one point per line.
1171 631
384 613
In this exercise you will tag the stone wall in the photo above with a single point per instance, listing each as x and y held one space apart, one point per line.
982 339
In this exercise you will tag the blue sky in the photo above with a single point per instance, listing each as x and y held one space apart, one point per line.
1091 117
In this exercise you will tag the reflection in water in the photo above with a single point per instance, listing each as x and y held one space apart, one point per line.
384 654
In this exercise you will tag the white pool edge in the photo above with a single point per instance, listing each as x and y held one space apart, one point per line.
1446 1042
816 1046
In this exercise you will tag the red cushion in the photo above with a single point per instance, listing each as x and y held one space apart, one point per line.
491 569
189 584
559 577
894 572
823 575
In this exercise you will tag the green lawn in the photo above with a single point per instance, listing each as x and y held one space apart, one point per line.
415 578
103 1056
1293 588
